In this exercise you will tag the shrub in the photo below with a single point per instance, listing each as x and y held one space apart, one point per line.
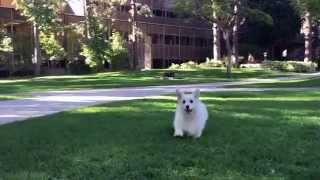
79 67
96 47
25 71
53 50
291 66
209 64
189 65
4 73
118 53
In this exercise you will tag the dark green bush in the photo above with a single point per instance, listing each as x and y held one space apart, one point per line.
79 67
291 66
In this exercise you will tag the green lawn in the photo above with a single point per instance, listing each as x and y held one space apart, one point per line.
314 83
271 135
11 97
122 79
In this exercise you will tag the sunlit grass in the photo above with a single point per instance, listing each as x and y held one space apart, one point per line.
248 136
10 97
315 82
125 79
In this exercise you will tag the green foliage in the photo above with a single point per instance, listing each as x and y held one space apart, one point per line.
5 42
53 50
291 66
45 13
96 47
222 12
118 53
311 6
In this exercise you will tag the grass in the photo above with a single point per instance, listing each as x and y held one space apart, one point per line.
122 79
270 135
11 97
307 83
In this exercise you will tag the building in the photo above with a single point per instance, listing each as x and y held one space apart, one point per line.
165 39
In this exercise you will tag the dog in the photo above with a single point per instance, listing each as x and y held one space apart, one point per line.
191 114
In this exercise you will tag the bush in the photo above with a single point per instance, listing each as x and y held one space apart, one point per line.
53 50
25 71
209 64
4 73
96 48
118 53
79 67
291 66
189 65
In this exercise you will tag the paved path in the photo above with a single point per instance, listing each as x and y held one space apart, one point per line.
54 102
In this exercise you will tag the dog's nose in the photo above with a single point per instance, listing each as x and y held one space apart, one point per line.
188 107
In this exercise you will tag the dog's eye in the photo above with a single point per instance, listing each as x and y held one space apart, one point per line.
191 101
183 101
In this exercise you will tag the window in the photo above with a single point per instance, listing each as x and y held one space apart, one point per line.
186 41
158 12
169 40
155 39
201 42
171 14
177 40
124 8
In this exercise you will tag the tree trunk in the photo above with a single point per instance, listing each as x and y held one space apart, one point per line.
37 50
86 9
216 42
226 36
133 36
235 44
307 37
216 39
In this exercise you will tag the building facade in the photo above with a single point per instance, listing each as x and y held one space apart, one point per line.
164 37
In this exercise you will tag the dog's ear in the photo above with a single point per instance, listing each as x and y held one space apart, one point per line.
179 93
197 93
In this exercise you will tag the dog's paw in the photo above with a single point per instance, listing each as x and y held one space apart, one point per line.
178 134
197 136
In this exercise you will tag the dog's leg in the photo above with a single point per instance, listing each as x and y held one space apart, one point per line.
178 133
197 134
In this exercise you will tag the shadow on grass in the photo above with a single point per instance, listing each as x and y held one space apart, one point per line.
244 139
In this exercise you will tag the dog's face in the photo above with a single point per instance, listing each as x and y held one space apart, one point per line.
188 99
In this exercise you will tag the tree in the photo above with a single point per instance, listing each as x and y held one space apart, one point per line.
136 9
227 15
96 45
44 16
272 34
309 11
220 14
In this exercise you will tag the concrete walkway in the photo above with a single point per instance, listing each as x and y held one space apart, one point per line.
53 102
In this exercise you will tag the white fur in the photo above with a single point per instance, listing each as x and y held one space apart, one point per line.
190 123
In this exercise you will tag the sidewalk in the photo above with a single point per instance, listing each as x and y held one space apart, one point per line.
53 102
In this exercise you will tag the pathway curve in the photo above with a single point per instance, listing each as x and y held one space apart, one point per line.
53 102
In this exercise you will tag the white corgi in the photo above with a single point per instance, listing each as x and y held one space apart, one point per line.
191 114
